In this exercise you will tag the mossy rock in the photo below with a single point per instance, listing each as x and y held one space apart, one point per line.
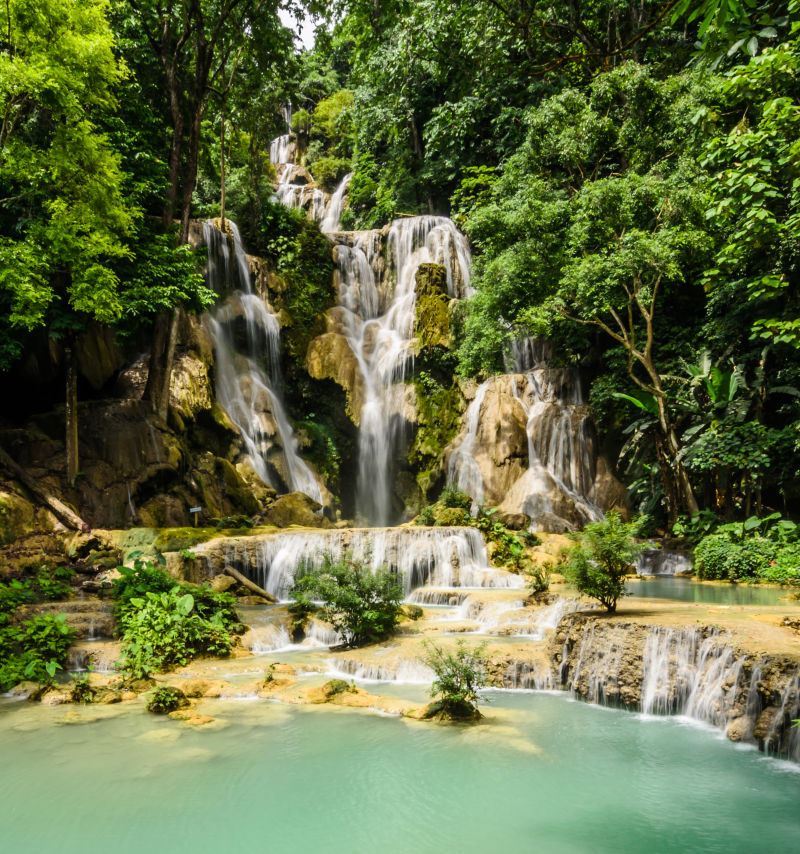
432 323
17 517
296 508
452 517
453 711
166 700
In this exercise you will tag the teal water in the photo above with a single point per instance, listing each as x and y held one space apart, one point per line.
687 590
546 774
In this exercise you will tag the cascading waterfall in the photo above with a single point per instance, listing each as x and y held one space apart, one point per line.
560 452
330 222
692 672
249 393
463 470
379 325
663 562
446 557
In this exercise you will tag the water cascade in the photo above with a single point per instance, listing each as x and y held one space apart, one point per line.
664 562
248 391
443 557
693 672
377 302
557 484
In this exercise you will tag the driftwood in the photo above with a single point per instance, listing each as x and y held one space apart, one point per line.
62 512
250 585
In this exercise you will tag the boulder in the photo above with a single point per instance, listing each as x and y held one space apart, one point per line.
296 508
329 357
514 521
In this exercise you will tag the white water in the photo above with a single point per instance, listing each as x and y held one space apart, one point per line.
333 214
463 471
663 562
560 452
379 316
444 557
248 383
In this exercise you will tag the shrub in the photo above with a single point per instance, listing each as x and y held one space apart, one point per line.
459 676
455 498
362 604
81 690
725 557
163 630
34 649
601 558
166 700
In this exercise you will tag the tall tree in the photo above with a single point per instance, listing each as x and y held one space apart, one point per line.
63 219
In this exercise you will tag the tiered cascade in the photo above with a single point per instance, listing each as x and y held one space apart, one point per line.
547 466
248 379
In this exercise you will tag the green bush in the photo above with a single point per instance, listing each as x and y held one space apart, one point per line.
601 558
455 498
166 700
459 676
81 690
35 648
164 630
329 171
723 557
164 624
362 604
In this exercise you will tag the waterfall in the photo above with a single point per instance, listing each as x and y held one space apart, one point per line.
247 391
463 471
693 672
445 557
334 212
663 562
560 449
281 149
379 324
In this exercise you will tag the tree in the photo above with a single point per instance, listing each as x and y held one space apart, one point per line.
601 558
361 603
198 47
63 218
459 677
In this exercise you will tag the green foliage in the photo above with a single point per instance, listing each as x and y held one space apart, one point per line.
454 498
362 604
81 690
302 256
34 648
164 624
63 218
165 700
601 557
459 676
755 550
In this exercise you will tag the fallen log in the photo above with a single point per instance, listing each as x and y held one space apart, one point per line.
61 511
250 585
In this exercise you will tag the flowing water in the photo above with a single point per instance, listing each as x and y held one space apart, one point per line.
379 314
544 774
248 380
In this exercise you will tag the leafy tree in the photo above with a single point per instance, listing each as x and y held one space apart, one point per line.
63 218
362 604
601 558
459 677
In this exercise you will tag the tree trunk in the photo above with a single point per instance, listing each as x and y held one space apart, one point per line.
71 415
222 172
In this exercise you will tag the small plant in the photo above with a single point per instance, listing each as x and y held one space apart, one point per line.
166 700
601 558
188 554
459 676
455 499
269 676
81 690
538 577
363 605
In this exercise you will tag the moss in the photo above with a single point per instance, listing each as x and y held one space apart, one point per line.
432 323
17 517
439 410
